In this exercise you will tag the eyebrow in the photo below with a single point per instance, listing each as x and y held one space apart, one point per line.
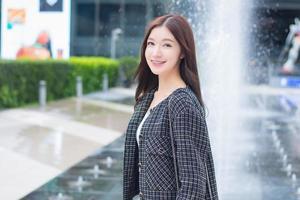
166 39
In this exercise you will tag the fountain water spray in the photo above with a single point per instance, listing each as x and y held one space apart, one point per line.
79 183
222 47
284 160
298 192
281 151
109 161
277 144
274 135
294 177
289 169
221 36
60 196
96 171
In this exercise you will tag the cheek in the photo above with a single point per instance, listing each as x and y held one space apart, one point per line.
177 57
173 56
147 56
147 53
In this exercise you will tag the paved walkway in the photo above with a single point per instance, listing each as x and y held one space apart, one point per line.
37 144
257 159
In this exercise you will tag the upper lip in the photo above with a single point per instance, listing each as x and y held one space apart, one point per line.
158 61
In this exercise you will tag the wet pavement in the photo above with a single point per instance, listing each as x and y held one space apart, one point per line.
101 177
257 159
49 135
37 144
260 162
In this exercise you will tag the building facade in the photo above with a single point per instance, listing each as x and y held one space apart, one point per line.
92 23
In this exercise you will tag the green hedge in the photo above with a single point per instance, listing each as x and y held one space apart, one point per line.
91 70
19 80
129 66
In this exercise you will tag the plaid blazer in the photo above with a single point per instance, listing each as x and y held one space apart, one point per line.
148 169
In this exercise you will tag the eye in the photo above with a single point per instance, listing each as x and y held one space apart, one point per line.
150 43
167 45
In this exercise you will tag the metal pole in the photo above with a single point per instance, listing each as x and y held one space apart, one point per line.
114 37
78 86
43 93
105 82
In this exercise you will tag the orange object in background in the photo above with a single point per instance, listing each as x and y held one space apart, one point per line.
41 49
43 38
16 16
60 53
33 53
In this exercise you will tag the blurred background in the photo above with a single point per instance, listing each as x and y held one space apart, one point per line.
67 94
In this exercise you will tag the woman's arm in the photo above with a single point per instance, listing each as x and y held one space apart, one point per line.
191 141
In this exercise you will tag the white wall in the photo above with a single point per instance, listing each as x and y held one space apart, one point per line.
56 23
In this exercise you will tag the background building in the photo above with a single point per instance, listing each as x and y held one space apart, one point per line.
92 22
88 28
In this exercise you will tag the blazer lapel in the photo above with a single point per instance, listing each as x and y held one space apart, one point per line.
142 108
130 151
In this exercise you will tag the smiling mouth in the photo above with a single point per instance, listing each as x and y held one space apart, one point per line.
155 62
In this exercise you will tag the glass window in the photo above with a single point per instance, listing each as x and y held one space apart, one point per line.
135 20
85 19
158 9
109 18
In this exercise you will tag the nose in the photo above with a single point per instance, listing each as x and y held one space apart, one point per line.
156 51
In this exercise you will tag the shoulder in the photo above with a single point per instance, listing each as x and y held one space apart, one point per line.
184 100
145 97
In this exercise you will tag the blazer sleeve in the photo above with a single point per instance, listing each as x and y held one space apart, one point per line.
191 141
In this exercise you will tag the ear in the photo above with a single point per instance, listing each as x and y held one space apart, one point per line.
181 57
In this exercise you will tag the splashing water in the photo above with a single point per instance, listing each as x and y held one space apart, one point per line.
221 35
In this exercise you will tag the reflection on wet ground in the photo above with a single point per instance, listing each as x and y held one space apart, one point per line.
259 157
261 163
37 144
50 135
96 177
48 146
81 111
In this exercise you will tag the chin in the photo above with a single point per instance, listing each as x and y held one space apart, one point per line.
156 71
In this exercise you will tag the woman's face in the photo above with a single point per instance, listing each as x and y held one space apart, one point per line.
163 52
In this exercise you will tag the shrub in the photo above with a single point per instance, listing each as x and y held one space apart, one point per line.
92 69
128 65
19 79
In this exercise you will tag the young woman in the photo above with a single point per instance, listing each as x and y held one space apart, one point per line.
167 150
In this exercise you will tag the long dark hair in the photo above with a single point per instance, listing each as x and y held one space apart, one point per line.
183 33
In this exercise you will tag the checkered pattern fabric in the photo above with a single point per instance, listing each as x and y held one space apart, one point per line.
149 169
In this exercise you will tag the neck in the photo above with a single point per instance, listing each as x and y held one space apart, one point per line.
167 83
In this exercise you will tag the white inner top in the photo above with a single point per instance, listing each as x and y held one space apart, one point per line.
138 132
